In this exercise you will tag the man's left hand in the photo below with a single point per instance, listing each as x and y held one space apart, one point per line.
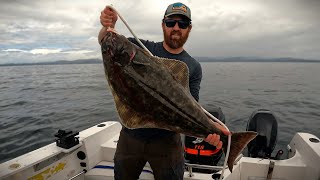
214 139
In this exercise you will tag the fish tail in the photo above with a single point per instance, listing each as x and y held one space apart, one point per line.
239 141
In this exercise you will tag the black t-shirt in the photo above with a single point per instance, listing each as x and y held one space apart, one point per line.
195 76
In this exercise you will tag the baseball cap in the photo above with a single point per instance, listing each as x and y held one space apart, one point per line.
178 9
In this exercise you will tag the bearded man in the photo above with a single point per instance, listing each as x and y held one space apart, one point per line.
161 148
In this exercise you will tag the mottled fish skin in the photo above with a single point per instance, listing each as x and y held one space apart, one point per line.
144 86
151 90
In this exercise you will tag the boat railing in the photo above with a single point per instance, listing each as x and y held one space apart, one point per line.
189 166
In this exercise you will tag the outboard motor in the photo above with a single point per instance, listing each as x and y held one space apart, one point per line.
265 124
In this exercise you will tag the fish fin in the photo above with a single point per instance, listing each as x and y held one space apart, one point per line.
239 141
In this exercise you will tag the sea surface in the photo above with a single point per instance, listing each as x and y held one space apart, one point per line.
36 101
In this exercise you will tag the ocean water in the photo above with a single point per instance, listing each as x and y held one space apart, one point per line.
36 101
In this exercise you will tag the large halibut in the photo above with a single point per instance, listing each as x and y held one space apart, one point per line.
152 92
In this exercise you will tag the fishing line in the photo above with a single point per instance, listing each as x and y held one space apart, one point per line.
206 112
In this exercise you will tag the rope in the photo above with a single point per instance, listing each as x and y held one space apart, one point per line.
127 25
229 140
206 112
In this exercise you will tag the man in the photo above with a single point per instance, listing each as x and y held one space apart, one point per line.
161 148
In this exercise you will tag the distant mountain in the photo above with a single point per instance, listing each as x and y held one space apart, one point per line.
254 59
79 61
200 59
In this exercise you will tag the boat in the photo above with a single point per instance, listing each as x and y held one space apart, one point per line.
88 155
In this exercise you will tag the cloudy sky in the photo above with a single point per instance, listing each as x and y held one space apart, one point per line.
38 31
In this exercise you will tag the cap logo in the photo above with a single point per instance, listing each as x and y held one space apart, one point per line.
179 7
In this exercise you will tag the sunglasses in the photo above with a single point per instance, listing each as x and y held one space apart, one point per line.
183 24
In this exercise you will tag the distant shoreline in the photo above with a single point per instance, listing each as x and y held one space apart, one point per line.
200 59
79 61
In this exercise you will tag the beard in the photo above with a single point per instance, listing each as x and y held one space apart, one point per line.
175 39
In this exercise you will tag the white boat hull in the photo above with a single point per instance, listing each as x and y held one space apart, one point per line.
94 155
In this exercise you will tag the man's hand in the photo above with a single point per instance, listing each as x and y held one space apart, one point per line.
214 139
108 17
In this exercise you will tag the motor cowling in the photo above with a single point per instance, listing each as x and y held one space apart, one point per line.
265 124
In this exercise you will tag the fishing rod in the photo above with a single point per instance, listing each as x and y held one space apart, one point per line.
206 112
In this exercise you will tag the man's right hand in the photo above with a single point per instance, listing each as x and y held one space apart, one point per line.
108 17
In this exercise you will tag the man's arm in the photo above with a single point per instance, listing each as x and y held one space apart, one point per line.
194 82
102 33
108 18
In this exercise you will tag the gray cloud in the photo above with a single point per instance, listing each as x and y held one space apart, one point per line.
270 28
